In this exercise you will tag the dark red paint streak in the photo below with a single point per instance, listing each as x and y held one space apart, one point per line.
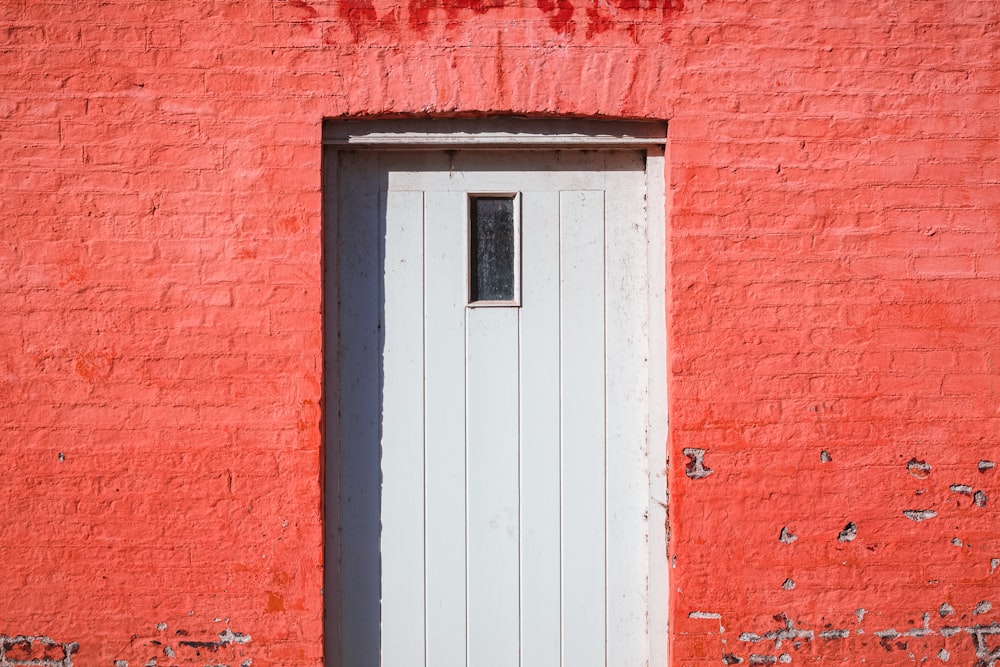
419 10
359 15
560 15
309 13
563 17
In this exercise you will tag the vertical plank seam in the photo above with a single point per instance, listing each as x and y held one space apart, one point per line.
559 305
423 388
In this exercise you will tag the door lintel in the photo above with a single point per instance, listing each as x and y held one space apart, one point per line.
494 132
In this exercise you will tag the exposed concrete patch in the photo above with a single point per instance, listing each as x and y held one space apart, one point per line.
979 498
38 651
849 532
919 469
182 647
919 515
787 536
964 489
890 639
787 633
696 468
985 465
824 457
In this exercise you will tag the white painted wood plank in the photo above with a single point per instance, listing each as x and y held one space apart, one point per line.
492 450
485 171
359 362
539 466
444 326
627 475
582 423
403 434
656 207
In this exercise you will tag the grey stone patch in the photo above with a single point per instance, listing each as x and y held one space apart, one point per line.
695 468
979 497
849 532
983 607
919 515
788 584
964 489
786 536
985 465
229 637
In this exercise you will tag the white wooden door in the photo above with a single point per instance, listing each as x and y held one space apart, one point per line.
493 474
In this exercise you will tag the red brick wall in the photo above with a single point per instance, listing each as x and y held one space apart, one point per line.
833 271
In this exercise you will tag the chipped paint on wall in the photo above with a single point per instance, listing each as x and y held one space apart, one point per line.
786 641
36 651
169 647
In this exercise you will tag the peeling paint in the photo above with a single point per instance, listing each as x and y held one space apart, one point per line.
696 468
919 469
890 639
39 651
786 536
183 647
849 532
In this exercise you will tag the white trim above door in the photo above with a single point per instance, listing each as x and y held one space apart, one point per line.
395 260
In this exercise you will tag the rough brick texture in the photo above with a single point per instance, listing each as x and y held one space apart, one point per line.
834 311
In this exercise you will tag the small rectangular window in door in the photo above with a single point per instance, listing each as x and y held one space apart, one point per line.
494 249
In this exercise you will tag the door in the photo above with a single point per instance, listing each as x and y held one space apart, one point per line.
492 471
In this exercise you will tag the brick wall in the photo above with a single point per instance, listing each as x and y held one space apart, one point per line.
834 307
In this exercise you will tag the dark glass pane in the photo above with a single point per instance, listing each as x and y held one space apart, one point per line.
491 251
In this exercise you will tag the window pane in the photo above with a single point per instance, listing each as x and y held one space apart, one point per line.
492 254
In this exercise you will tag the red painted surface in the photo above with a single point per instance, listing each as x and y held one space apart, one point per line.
833 276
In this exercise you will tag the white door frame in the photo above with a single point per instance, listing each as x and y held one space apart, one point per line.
515 134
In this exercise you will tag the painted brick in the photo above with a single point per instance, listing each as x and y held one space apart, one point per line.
833 173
